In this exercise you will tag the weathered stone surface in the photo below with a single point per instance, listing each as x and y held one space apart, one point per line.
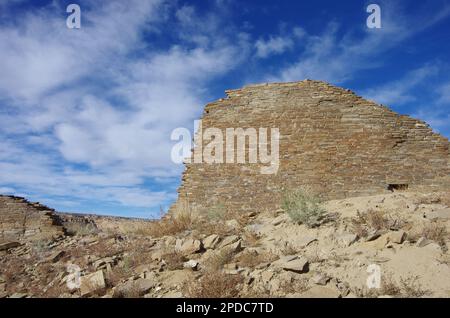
279 220
211 241
293 263
234 247
304 241
92 283
157 255
134 288
188 246
56 256
144 285
442 214
233 224
347 239
104 262
320 279
379 243
21 220
321 292
332 141
422 242
318 292
373 235
144 268
229 240
397 237
8 245
18 295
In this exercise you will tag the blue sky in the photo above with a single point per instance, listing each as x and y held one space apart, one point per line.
86 114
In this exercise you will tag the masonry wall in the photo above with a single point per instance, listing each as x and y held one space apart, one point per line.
332 141
21 220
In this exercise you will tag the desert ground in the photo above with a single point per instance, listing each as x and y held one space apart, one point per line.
260 254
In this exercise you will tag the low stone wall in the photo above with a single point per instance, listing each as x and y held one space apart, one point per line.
21 220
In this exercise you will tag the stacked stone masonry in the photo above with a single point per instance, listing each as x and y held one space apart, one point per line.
21 220
332 141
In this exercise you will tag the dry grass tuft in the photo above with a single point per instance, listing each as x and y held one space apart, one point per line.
445 199
174 260
389 286
431 198
221 257
407 287
375 220
436 232
214 284
181 220
289 249
252 259
251 238
116 275
412 288
256 292
304 208
295 286
80 229
131 292
39 247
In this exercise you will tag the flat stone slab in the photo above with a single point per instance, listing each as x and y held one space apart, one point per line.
293 263
8 245
92 283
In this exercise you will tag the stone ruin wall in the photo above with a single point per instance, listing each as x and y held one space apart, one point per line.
332 141
21 220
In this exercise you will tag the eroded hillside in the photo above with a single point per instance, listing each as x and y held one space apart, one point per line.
223 254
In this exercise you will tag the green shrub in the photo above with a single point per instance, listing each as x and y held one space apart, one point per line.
303 207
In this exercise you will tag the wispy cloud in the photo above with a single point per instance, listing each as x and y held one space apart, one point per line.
444 94
92 109
279 44
401 91
337 56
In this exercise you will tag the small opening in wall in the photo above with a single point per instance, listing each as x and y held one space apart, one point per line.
397 187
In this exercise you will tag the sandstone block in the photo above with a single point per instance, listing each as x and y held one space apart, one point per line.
92 283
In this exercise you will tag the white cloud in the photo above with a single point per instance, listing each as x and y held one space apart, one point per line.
274 45
88 113
41 53
401 91
279 44
336 57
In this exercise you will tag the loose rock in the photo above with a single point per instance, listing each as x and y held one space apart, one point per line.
188 246
211 241
8 245
293 263
92 283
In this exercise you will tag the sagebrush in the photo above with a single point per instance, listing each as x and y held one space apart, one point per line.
304 207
